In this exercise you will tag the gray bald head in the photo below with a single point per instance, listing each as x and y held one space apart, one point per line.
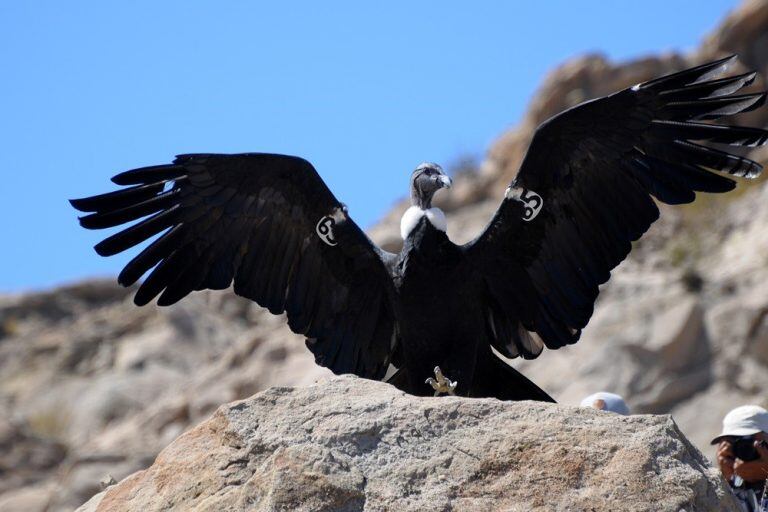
427 179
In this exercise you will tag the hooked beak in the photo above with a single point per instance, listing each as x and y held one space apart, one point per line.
446 181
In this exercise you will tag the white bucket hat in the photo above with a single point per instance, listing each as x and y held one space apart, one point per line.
746 420
606 402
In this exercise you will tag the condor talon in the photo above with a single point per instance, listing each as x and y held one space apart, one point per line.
441 383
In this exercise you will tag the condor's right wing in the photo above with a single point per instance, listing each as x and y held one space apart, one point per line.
270 224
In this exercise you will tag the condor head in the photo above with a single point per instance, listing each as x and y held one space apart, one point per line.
427 179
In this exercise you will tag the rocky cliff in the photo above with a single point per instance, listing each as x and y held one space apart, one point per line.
352 445
93 386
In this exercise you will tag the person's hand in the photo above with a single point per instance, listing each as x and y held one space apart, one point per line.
725 458
754 470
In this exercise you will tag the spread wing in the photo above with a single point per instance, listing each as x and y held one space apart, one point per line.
270 224
583 194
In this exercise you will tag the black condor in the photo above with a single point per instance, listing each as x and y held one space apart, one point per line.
584 192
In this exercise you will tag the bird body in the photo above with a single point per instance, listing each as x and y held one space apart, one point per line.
434 281
268 226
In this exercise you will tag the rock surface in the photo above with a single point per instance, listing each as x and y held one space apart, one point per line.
93 386
352 445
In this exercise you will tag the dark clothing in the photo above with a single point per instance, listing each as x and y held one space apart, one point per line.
751 497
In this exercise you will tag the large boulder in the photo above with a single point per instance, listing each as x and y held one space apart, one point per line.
351 444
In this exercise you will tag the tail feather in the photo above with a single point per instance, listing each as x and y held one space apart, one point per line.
495 378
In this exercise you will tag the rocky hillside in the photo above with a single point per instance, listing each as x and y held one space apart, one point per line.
92 386
353 445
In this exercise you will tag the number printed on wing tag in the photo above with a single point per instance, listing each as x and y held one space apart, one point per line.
533 201
324 230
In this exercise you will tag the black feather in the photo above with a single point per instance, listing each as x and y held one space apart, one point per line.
690 176
138 233
689 76
659 184
111 218
151 255
119 198
734 135
712 158
151 174
713 89
713 108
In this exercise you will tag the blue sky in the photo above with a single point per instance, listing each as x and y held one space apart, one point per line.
363 91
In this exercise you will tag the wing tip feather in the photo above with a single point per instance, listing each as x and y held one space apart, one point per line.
79 204
691 75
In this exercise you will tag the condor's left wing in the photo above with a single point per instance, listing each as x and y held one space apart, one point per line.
584 193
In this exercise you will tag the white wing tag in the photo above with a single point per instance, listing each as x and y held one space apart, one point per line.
324 230
533 201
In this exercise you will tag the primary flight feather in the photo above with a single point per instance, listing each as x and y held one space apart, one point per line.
269 225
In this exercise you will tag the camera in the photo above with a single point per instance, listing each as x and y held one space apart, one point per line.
744 448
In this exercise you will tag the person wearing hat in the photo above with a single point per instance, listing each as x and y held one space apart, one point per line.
605 401
742 455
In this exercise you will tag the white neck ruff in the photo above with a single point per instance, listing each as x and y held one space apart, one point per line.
412 215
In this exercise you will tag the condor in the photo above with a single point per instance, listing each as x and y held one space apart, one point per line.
584 192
